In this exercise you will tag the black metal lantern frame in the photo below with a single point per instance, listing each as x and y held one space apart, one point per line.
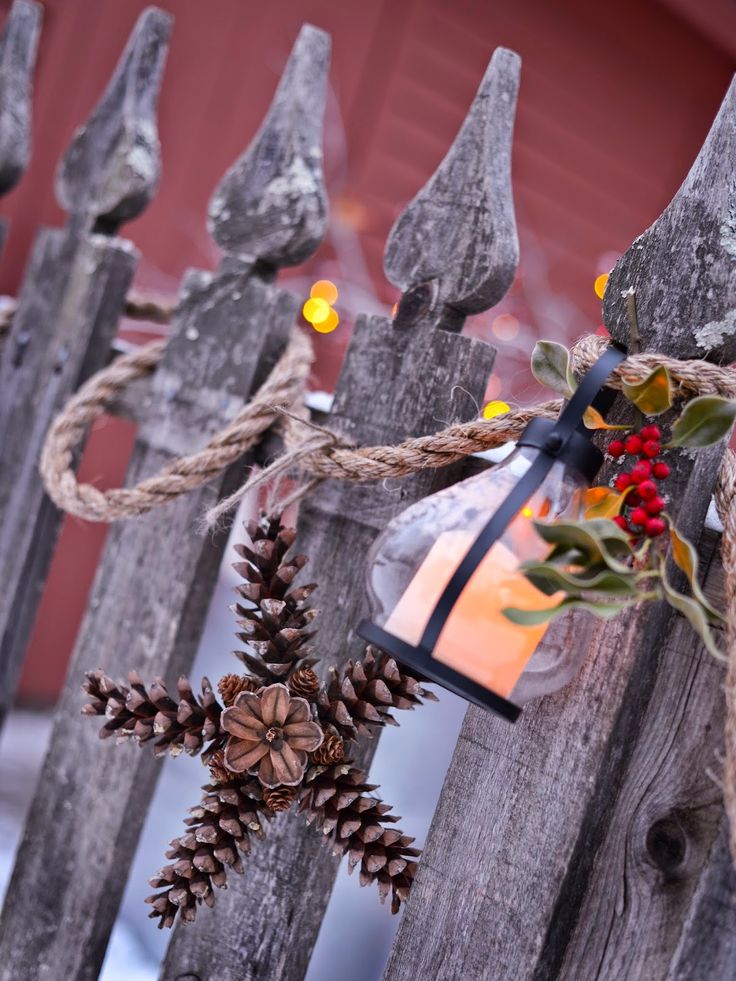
554 441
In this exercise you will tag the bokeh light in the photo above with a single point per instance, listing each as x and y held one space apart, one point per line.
495 408
600 284
316 310
327 325
494 387
505 326
325 290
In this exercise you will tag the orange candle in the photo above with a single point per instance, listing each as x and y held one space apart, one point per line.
477 640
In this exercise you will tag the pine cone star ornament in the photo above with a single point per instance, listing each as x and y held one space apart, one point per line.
280 738
271 733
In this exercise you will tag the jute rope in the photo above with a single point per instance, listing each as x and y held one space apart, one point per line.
286 384
322 454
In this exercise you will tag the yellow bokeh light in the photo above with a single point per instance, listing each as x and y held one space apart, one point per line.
316 310
527 512
325 290
600 285
327 325
505 326
495 408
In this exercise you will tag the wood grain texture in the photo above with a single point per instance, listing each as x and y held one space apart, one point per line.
572 845
459 232
399 379
68 310
18 45
147 610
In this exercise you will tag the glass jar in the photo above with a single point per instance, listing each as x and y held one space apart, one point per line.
479 653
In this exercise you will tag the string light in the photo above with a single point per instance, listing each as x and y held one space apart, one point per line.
318 310
495 408
600 284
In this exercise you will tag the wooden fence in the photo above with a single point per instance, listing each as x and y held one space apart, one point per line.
586 841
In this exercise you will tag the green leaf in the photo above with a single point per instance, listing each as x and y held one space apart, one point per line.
686 558
551 579
551 367
597 540
534 618
694 612
653 395
703 421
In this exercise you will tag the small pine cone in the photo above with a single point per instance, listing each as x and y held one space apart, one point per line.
336 801
304 683
274 620
218 769
231 685
218 834
279 798
369 688
331 751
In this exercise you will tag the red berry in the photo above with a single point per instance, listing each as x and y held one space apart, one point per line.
633 445
661 471
632 499
655 527
639 516
621 521
641 471
651 448
654 506
650 432
647 490
616 448
623 481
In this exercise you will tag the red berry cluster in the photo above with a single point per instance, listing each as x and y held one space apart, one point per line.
643 503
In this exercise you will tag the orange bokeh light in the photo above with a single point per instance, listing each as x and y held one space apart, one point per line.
325 290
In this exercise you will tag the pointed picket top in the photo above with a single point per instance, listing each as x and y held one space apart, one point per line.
112 167
272 204
459 232
683 267
18 46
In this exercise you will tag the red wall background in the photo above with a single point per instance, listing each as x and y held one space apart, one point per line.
614 104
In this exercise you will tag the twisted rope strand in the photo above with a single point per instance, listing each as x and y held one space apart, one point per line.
285 384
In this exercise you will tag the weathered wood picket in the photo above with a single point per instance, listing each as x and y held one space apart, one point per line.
586 841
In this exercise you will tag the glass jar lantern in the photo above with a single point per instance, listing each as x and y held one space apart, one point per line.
443 571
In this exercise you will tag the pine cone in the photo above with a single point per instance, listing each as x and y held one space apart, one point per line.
152 714
231 685
305 683
368 689
279 798
218 769
275 624
331 751
219 832
336 802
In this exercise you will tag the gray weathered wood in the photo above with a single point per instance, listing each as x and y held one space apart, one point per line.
397 380
18 45
572 844
67 315
459 232
146 612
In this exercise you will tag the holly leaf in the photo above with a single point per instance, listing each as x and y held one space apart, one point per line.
602 502
703 421
597 540
534 618
686 558
550 579
594 420
692 611
551 367
653 395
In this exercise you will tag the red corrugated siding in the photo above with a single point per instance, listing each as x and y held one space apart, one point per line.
614 104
